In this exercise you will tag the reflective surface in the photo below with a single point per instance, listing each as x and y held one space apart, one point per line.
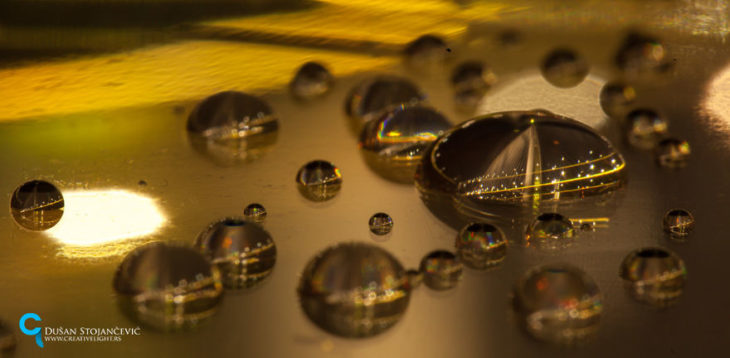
679 223
654 276
672 153
311 80
564 68
319 180
375 96
380 224
645 128
481 246
441 270
617 98
37 205
551 231
471 81
255 212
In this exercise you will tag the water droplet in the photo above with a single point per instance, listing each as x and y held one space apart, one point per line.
244 253
564 68
512 165
374 97
142 183
550 231
311 80
168 287
645 128
654 276
481 246
672 153
255 212
354 290
392 145
678 223
640 55
380 223
232 127
415 278
37 205
558 303
617 99
427 52
7 338
510 37
471 81
319 180
441 270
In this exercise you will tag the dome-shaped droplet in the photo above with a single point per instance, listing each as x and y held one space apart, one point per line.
244 253
512 165
168 287
374 97
678 223
441 270
7 338
232 127
564 68
481 246
672 153
558 303
255 212
617 99
354 290
319 180
37 205
550 231
640 55
654 276
471 81
427 52
311 80
392 145
380 223
645 128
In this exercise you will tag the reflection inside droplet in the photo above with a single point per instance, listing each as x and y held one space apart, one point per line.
558 303
255 212
564 68
645 128
678 223
244 253
380 223
617 99
654 276
167 287
354 290
481 246
672 153
441 270
37 205
471 81
640 55
376 96
427 52
319 180
311 80
550 231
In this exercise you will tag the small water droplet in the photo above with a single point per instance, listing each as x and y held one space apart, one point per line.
654 276
374 97
354 290
441 270
640 55
142 183
255 212
481 246
564 68
645 128
168 287
550 231
319 180
679 223
558 303
37 205
7 337
672 153
232 127
311 80
510 37
415 278
427 52
471 81
392 144
380 223
617 99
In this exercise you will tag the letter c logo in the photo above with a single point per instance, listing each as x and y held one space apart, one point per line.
32 332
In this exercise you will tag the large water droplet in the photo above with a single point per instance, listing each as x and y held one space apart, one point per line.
481 246
654 276
232 127
37 205
380 223
672 153
678 223
441 270
376 96
550 231
244 253
471 81
564 68
311 80
168 287
512 165
393 144
255 212
645 128
427 52
640 55
354 290
7 338
558 303
319 180
617 99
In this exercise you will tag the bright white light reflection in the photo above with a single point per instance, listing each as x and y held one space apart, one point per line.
716 103
104 216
